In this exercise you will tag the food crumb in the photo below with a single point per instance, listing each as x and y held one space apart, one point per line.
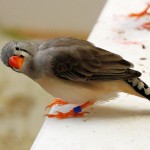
142 58
141 64
143 46
85 120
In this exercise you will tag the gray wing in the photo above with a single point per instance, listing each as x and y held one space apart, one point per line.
79 60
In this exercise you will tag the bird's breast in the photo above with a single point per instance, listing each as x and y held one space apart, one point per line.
80 92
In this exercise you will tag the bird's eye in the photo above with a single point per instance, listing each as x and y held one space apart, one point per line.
17 48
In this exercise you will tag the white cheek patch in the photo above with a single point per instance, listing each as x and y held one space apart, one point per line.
24 54
17 53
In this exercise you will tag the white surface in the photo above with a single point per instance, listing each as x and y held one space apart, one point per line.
121 124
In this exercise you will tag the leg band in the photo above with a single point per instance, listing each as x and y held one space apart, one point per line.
77 109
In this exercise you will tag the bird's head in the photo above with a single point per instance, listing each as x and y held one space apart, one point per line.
16 54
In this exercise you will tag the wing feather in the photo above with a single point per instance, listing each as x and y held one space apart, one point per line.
79 60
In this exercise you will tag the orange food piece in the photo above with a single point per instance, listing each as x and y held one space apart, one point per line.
142 13
146 25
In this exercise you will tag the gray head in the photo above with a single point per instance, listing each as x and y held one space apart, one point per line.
17 53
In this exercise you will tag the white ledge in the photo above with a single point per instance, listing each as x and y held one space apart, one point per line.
121 124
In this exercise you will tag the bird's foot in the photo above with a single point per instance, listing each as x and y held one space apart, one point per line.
56 101
69 114
75 112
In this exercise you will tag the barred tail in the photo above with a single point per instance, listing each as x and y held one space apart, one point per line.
140 87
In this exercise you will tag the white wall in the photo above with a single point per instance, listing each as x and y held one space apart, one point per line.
70 15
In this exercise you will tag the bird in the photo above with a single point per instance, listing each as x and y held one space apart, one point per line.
74 71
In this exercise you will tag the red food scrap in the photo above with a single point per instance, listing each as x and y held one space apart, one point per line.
145 25
130 42
141 14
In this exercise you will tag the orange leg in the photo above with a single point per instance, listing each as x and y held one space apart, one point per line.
75 112
56 101
141 14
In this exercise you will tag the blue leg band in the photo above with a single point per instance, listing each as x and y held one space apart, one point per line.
77 109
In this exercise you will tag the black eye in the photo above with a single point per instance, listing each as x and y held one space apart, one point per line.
17 48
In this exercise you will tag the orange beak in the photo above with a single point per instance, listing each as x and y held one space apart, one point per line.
16 62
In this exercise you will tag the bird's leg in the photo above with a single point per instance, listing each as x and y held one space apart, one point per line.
75 112
141 14
56 101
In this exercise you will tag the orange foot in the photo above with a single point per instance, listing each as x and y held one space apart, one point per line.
57 101
141 14
75 112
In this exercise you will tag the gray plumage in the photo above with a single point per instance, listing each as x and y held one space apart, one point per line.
7 51
68 59
74 59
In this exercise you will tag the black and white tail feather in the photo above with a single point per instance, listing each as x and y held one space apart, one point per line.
140 87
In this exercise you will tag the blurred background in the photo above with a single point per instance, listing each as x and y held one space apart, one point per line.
22 102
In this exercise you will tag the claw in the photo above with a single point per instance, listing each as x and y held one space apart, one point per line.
56 101
70 114
75 112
